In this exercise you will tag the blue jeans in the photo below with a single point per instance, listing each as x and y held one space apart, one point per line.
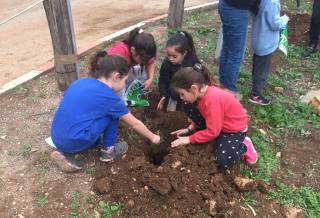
234 24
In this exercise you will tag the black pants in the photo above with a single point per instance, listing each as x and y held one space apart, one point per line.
194 114
315 23
260 73
230 148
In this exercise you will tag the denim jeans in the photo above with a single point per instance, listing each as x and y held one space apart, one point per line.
234 24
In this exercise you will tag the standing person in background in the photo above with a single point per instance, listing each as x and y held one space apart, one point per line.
265 36
139 49
234 16
314 29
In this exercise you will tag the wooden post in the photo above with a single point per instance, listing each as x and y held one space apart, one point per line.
175 14
60 22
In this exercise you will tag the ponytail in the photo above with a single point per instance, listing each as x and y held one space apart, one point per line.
183 42
143 43
188 76
103 65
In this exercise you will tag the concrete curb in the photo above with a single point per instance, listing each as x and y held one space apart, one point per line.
82 51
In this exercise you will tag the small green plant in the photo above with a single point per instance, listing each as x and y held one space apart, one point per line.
75 204
26 150
43 200
110 208
43 163
247 198
90 170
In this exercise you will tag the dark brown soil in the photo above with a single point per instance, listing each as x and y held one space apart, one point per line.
298 28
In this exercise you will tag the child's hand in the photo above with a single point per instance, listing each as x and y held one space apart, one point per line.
161 103
155 139
180 132
180 141
285 18
147 84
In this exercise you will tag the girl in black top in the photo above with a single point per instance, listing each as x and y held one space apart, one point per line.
180 53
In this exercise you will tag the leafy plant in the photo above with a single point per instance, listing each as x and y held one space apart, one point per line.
43 200
110 208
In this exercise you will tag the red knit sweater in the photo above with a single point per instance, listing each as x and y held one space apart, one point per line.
222 112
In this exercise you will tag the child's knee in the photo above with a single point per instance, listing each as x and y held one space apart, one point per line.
225 161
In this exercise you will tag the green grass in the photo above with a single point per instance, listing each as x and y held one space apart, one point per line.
43 200
303 197
75 204
247 198
109 209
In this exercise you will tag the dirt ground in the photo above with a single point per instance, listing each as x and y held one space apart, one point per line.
25 42
150 181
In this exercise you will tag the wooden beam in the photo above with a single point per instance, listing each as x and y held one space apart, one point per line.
175 14
60 22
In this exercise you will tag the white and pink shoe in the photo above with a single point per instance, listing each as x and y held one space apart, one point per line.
251 156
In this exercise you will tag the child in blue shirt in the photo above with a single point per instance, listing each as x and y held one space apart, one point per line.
89 114
265 40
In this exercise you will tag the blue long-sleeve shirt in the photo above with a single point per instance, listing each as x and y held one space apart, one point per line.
266 27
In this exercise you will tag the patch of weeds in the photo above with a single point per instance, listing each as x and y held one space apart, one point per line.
92 199
75 204
26 150
206 50
43 163
203 31
43 200
2 131
247 198
194 18
268 160
42 83
290 172
21 89
90 170
276 81
109 209
303 197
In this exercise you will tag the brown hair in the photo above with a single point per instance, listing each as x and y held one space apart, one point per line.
103 65
143 43
188 76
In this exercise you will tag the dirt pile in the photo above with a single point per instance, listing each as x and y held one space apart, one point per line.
158 181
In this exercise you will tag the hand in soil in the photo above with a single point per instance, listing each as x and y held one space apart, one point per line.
161 103
180 141
180 132
155 139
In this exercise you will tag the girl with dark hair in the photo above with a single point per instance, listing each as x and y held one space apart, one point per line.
180 53
139 49
89 114
224 117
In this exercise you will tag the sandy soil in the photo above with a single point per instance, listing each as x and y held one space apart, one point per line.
25 41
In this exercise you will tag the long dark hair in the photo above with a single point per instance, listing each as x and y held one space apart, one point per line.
183 42
143 43
188 76
103 65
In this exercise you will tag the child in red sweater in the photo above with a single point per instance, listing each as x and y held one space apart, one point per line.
225 118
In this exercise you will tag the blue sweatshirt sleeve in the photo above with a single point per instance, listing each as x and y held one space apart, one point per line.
273 18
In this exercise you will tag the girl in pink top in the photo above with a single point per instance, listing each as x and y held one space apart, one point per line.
139 49
225 118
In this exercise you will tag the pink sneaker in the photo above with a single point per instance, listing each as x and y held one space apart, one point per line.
251 156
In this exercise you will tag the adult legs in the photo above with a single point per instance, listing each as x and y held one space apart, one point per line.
234 23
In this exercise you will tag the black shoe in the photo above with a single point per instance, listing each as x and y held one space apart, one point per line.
309 50
259 100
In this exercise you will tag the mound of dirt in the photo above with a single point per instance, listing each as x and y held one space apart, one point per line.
299 25
159 181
